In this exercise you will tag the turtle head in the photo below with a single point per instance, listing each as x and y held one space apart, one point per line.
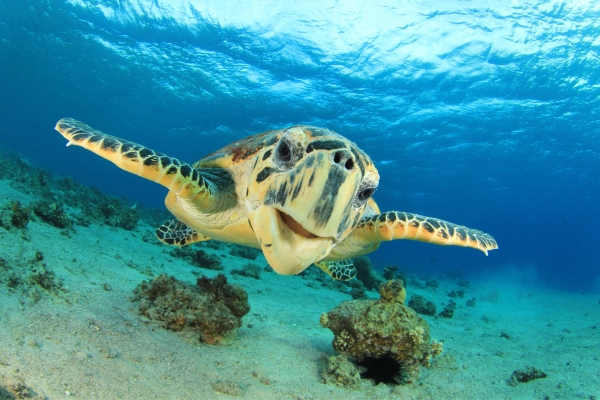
306 194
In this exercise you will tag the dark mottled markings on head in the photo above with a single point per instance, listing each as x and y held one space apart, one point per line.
358 160
310 161
150 161
316 132
346 221
272 141
356 220
264 174
312 176
324 207
267 154
165 162
282 193
297 189
186 170
325 145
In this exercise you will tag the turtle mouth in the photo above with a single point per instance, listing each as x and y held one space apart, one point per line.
287 245
295 226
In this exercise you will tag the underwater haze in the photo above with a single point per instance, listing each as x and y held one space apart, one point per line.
481 113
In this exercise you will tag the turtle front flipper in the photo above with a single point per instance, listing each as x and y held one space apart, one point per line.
176 233
394 225
184 180
342 270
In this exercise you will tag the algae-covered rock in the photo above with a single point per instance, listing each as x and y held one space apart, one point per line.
249 253
117 214
525 375
382 329
204 259
52 213
249 270
366 274
393 291
20 215
340 371
421 305
213 308
448 311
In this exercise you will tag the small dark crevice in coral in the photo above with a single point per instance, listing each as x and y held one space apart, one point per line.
385 369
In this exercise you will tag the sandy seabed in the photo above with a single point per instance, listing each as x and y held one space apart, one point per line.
90 342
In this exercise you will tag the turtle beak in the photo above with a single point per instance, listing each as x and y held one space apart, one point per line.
288 247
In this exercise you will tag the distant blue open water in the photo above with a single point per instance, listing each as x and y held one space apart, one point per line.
481 113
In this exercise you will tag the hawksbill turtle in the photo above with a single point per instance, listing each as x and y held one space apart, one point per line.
303 195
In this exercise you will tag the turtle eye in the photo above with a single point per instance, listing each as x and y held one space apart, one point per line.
364 195
283 151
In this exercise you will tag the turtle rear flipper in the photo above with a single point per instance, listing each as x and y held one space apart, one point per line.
394 225
176 233
342 270
184 180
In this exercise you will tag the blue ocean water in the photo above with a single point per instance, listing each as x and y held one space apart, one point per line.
481 113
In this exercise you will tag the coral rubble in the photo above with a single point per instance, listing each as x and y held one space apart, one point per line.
30 278
213 307
471 302
52 213
385 329
249 253
203 259
249 270
528 374
448 311
389 272
421 305
366 274
342 372
20 215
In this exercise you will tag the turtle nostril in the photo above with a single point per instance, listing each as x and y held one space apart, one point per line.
337 157
349 164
